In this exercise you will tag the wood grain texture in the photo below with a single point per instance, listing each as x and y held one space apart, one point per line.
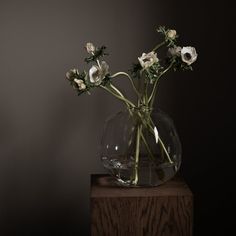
166 210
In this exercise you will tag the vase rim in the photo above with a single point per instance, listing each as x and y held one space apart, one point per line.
142 108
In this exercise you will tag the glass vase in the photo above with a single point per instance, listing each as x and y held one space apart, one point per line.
140 147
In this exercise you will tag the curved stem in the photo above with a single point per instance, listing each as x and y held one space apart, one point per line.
162 144
158 46
152 96
127 102
166 152
98 62
117 90
132 83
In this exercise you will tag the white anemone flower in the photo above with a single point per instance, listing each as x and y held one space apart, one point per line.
188 55
171 34
147 60
90 48
98 73
80 84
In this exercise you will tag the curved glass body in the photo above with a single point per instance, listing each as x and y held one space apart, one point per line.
140 148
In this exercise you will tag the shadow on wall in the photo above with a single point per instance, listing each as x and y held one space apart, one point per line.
49 137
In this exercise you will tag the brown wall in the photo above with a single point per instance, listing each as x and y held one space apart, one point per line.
49 137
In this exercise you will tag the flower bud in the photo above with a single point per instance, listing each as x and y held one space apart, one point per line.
171 34
90 48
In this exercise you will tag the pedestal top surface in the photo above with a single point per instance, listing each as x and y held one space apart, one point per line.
106 186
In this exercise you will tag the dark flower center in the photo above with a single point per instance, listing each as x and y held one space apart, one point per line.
96 73
187 56
146 60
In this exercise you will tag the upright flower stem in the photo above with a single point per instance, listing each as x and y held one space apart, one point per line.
137 151
127 102
166 152
147 147
153 93
158 46
161 142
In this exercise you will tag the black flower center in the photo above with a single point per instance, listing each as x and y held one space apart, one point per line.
146 60
187 56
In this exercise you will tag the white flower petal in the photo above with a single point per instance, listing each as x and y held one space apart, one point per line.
80 84
147 60
90 48
188 55
94 74
98 73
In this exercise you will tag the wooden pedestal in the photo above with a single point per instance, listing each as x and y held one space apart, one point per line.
166 210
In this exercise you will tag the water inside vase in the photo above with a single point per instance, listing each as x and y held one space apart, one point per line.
150 173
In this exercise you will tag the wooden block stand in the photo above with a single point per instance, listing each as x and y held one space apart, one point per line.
166 210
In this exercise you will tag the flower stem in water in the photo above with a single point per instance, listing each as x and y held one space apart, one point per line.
137 150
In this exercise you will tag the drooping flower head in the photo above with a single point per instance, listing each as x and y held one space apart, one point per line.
188 55
147 60
98 73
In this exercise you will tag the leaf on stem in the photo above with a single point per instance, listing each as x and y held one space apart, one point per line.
100 52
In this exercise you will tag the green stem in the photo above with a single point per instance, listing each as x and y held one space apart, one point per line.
166 152
147 146
152 96
119 92
127 102
98 62
153 93
162 144
145 92
132 83
158 46
139 129
116 90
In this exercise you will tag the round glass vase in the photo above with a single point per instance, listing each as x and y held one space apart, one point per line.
140 147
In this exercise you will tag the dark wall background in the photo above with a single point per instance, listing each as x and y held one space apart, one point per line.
49 138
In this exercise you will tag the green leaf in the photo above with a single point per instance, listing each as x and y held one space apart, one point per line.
99 52
136 68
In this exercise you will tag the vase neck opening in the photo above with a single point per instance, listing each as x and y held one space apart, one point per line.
141 108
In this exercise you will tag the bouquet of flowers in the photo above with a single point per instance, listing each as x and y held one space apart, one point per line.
144 77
